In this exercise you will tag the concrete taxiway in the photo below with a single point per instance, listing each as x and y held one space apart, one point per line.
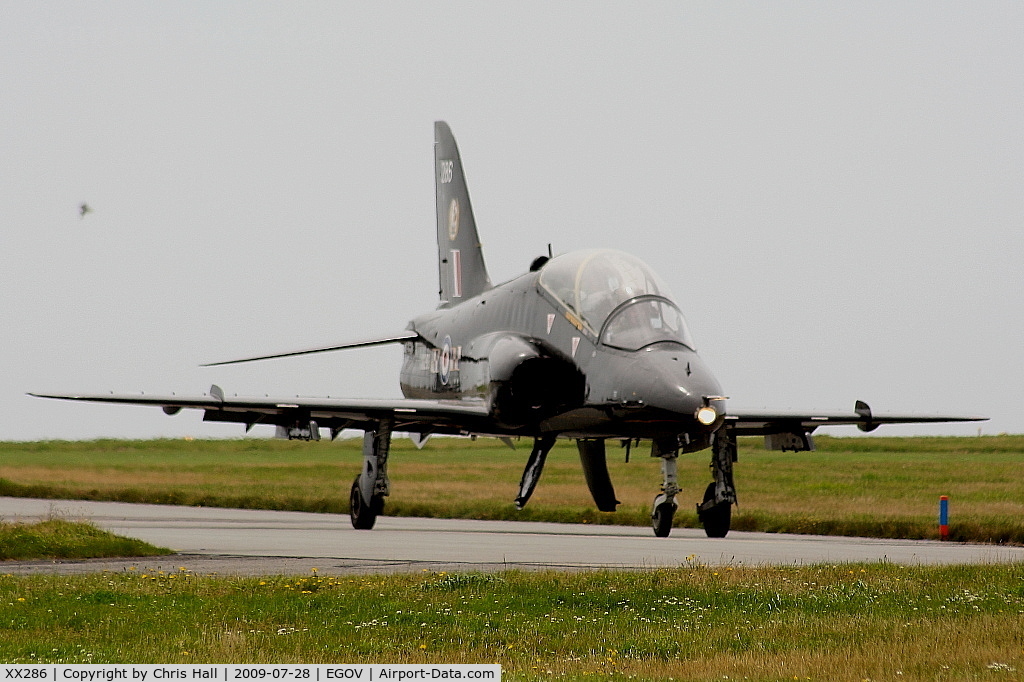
252 542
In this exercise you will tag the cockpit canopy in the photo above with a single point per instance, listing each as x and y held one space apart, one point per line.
615 296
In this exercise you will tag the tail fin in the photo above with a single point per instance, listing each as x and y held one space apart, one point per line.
460 258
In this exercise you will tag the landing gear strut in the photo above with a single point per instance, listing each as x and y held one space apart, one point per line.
534 466
664 507
715 512
371 486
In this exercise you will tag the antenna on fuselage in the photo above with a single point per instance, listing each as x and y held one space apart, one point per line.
539 261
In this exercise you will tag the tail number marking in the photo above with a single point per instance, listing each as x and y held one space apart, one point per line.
447 171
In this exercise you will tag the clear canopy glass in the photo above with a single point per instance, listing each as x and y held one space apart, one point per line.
594 284
643 322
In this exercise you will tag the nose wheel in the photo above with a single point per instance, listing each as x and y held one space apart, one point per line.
661 515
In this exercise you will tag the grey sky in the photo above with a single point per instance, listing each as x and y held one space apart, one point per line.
833 191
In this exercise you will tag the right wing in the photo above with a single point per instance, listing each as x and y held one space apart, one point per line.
792 430
460 417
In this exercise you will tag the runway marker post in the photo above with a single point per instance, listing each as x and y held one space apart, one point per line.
944 517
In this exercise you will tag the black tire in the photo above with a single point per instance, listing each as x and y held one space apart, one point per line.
363 515
661 519
718 519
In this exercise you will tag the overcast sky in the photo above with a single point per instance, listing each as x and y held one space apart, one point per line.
834 191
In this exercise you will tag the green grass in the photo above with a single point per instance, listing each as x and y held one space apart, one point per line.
60 539
849 622
883 487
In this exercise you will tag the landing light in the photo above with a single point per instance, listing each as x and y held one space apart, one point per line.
707 415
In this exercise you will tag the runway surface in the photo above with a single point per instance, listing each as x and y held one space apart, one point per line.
250 542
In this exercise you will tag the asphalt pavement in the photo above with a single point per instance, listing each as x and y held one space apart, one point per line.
254 542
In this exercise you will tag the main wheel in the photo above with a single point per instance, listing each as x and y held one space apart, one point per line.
718 519
661 519
363 515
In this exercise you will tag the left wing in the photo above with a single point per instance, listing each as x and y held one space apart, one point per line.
306 415
792 430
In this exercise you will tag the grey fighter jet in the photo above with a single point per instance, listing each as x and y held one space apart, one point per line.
589 345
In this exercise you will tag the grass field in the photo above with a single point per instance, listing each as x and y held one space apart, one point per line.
63 539
850 622
884 487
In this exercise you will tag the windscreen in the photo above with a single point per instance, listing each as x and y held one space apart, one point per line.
644 322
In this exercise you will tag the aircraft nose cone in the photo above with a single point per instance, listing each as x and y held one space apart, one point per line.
675 381
658 389
678 381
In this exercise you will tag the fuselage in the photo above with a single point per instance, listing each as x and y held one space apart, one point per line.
589 344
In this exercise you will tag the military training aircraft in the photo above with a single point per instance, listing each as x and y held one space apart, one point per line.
589 345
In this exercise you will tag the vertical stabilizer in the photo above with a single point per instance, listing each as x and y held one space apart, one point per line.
460 258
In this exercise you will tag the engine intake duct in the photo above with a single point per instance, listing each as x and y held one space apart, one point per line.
529 386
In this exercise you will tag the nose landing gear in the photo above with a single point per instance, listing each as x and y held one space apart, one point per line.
662 514
664 507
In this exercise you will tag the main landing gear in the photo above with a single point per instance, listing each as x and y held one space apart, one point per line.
715 512
371 486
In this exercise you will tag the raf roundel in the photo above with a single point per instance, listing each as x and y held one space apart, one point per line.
445 365
453 219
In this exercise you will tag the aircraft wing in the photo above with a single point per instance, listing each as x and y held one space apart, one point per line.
420 416
791 430
407 335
